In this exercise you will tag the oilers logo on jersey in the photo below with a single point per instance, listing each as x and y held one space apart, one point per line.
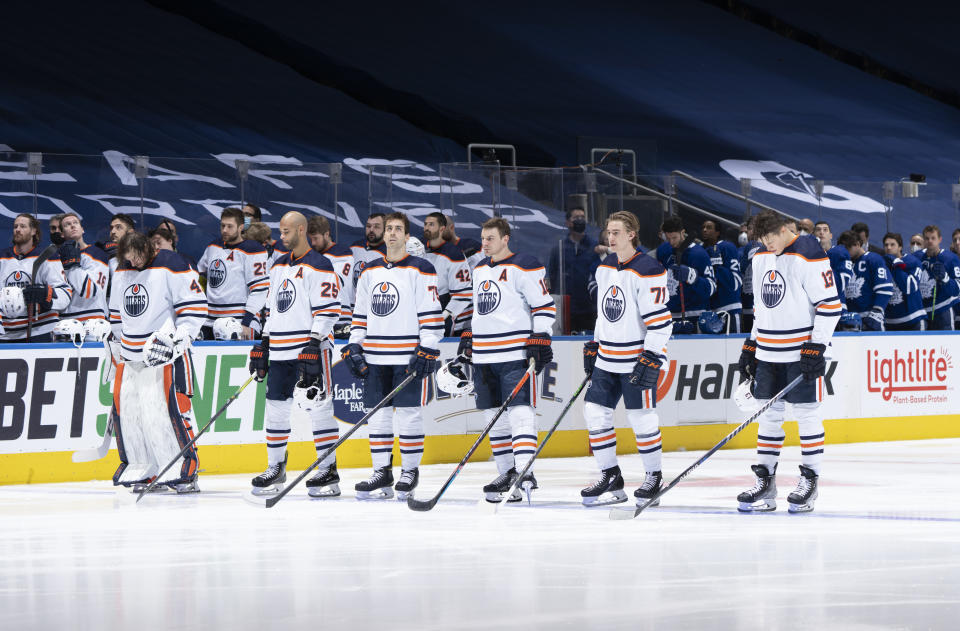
18 279
773 289
286 295
135 300
217 273
613 304
488 297
384 299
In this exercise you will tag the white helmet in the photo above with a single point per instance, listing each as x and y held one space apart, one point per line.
309 396
743 397
69 330
98 329
452 379
227 329
11 302
415 246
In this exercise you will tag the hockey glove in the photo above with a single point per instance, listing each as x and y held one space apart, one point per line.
938 272
646 371
158 349
39 294
69 255
309 365
341 331
448 321
873 321
538 347
590 350
424 361
353 355
465 349
260 359
748 360
812 362
684 274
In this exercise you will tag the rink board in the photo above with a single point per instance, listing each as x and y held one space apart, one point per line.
877 387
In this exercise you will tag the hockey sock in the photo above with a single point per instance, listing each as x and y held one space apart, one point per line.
770 436
325 433
603 437
410 429
810 423
501 441
523 423
278 429
646 427
381 438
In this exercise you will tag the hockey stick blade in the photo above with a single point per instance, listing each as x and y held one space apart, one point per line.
270 502
543 443
190 444
89 455
424 506
630 513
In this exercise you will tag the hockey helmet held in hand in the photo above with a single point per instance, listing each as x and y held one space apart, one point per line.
11 302
743 397
452 378
97 329
850 321
711 322
69 330
309 396
227 329
415 246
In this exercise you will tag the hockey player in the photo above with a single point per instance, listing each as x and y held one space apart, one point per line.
796 312
302 306
842 264
120 225
341 257
726 271
156 309
471 248
904 312
396 330
690 280
87 270
371 247
747 251
629 346
38 299
453 273
512 320
942 287
870 289
236 273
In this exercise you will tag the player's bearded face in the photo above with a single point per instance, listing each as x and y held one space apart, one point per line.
430 230
136 259
229 230
22 233
291 239
318 241
117 230
374 231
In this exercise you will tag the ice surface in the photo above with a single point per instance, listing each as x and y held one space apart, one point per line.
881 551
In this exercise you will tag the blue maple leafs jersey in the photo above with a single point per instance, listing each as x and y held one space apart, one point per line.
726 271
842 266
906 304
695 298
870 288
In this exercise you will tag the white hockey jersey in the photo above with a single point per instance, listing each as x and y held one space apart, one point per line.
237 280
17 269
397 307
511 301
795 300
303 302
363 255
453 277
341 257
632 313
89 283
141 301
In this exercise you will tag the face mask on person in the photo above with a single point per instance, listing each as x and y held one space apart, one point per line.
578 225
803 232
916 247
56 238
742 239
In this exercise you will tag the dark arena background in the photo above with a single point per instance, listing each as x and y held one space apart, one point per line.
695 117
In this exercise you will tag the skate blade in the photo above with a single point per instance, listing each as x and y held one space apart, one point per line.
385 493
613 497
259 500
800 508
757 507
403 495
259 491
643 500
189 490
497 498
320 492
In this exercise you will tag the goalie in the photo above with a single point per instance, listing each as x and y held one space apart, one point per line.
156 308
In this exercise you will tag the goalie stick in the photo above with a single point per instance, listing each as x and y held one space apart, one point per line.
422 506
40 260
87 455
543 443
209 424
630 513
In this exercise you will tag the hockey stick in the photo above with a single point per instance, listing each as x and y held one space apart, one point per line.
271 501
422 506
87 455
543 443
190 444
41 259
630 513
933 307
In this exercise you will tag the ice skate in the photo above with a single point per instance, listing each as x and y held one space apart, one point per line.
650 487
763 496
607 490
408 481
529 483
184 488
802 498
495 490
140 486
326 483
379 486
268 482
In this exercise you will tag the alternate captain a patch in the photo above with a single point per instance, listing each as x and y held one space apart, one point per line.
488 297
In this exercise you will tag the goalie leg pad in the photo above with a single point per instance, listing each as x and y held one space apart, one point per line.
137 460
